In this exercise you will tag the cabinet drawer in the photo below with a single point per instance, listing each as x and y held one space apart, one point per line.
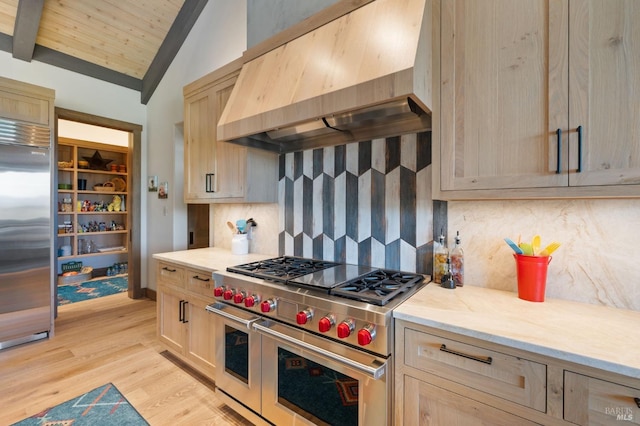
589 401
170 274
508 377
200 282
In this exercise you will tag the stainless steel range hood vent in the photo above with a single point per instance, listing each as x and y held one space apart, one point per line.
363 76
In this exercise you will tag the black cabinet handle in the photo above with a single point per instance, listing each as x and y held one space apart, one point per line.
209 183
184 311
637 400
181 311
168 269
196 277
484 360
579 149
191 238
558 165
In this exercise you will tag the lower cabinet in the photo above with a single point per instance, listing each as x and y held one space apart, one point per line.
589 401
425 404
184 326
443 378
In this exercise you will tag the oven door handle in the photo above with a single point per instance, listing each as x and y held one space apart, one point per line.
376 370
221 309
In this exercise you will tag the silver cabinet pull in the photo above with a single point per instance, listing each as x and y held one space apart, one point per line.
221 309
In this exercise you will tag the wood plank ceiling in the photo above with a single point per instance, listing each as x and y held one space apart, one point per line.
126 42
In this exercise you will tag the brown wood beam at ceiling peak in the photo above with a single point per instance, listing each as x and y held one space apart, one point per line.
176 36
26 28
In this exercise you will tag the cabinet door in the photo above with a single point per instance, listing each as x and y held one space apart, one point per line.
503 94
171 316
213 169
590 401
605 92
201 336
425 404
199 145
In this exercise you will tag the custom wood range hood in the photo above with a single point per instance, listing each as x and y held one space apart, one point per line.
362 76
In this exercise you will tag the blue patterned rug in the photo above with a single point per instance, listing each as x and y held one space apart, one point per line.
103 406
91 289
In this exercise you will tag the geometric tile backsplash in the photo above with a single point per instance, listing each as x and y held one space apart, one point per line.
366 202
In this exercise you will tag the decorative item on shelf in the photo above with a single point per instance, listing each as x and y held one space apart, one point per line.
104 187
115 204
83 164
65 164
119 184
114 167
97 162
66 206
122 168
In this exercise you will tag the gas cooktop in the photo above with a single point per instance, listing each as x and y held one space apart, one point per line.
367 284
281 269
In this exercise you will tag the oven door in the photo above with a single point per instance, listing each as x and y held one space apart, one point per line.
307 379
237 355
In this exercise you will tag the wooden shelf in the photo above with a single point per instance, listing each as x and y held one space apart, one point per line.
74 150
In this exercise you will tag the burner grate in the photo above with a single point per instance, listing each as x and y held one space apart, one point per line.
282 269
377 287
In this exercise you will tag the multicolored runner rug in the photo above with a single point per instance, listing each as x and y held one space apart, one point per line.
103 406
91 289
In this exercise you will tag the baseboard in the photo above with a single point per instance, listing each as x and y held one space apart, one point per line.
149 294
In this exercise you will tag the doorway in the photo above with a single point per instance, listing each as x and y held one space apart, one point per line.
134 151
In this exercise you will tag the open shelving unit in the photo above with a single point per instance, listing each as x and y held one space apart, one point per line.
91 225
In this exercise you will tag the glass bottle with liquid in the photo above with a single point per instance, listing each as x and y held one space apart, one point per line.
457 262
440 255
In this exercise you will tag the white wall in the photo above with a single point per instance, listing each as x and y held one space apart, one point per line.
217 38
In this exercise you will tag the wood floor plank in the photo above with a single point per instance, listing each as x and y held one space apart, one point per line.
108 340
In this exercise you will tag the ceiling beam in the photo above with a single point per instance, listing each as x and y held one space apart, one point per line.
26 27
177 34
61 60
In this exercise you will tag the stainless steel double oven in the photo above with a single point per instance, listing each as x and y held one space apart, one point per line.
289 352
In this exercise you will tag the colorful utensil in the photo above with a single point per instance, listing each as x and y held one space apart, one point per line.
550 249
535 245
513 245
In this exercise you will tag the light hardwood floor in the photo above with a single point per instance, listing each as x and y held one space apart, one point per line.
111 339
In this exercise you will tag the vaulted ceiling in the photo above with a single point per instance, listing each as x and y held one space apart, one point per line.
130 43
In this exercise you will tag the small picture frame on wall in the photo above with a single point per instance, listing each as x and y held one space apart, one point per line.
153 183
163 190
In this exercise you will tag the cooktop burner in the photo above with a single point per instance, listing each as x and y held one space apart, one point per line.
282 269
377 287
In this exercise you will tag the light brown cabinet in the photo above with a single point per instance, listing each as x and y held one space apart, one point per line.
537 99
217 171
589 401
447 378
26 102
94 207
184 325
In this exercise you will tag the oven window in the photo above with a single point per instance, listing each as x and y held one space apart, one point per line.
236 353
315 391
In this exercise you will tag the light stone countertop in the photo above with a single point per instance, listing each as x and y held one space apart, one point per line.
596 336
210 258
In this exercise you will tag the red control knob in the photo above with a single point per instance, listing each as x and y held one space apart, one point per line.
304 316
344 329
218 291
238 297
228 294
326 323
366 335
251 301
268 305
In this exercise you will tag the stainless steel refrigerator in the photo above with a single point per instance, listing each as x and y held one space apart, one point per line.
26 233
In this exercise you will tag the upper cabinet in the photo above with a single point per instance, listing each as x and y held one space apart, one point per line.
26 102
537 99
216 171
